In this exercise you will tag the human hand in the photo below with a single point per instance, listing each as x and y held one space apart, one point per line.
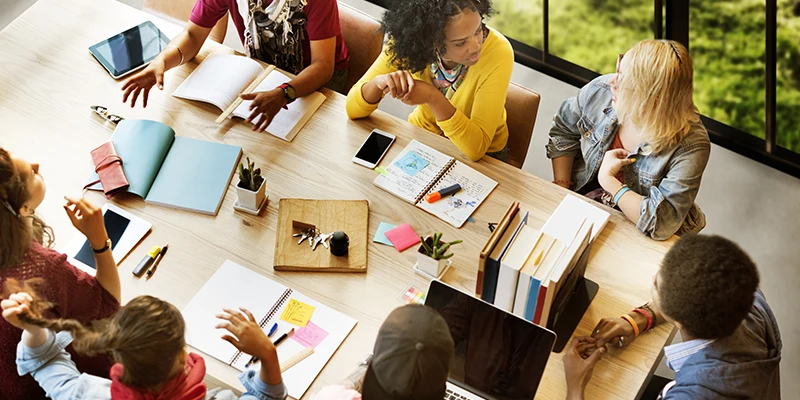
88 219
578 368
420 93
143 81
16 305
397 83
266 105
613 161
249 338
613 331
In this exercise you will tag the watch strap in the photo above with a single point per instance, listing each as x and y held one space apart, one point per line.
104 249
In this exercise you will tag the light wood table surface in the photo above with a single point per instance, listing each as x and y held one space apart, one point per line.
49 80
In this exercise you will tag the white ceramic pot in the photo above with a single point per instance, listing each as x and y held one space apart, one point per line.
430 266
250 199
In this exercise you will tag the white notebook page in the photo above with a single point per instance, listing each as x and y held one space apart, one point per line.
410 172
219 79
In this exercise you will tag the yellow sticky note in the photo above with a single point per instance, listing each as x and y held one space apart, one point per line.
297 312
382 171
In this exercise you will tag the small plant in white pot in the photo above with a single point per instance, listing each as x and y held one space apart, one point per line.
252 188
432 256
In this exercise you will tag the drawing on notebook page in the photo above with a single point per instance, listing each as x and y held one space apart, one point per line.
412 163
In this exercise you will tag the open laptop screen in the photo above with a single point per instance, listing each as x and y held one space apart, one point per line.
497 353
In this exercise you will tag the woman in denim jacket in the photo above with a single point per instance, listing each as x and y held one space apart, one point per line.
635 141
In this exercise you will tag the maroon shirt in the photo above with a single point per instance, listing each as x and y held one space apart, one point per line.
322 23
76 295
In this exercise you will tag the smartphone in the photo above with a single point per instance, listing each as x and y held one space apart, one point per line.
374 148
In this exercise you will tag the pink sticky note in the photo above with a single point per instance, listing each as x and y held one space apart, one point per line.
310 335
402 237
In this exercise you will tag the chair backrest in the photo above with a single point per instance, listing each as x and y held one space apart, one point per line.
522 104
179 12
364 39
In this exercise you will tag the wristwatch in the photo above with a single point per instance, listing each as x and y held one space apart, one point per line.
105 248
288 92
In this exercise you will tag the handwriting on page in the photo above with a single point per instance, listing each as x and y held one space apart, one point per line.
457 208
400 182
310 336
297 312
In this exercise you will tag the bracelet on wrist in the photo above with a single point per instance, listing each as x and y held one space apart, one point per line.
633 324
647 315
561 182
179 52
649 309
619 194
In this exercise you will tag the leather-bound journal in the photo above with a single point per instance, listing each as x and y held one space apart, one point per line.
108 165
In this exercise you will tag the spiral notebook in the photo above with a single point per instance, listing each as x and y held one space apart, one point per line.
234 286
420 170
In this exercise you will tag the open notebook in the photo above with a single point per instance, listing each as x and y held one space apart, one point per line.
234 286
420 170
220 79
171 170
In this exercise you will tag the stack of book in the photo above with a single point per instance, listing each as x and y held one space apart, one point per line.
531 273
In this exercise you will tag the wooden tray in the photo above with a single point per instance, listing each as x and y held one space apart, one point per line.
350 216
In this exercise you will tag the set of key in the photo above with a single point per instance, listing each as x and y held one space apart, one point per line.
314 237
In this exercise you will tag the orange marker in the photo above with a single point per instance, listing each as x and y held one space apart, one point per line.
435 196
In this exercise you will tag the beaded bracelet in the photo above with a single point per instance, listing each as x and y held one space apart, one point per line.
649 309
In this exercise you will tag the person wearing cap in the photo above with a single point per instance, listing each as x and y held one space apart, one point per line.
411 360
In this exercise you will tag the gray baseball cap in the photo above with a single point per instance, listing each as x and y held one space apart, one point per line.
411 358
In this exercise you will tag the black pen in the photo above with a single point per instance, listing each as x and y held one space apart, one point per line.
152 269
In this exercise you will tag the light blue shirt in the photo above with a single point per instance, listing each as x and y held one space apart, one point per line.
53 368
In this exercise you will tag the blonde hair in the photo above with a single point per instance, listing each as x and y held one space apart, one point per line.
656 92
146 336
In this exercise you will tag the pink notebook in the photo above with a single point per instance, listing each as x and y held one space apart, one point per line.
402 237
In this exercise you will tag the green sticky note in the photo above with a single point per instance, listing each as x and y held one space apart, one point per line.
381 170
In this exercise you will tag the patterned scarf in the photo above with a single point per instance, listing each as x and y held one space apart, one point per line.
447 80
275 34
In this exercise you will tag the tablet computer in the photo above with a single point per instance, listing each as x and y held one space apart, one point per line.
131 50
125 231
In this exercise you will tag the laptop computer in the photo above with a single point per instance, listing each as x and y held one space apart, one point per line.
498 356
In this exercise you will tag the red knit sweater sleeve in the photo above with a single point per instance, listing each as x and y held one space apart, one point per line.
76 294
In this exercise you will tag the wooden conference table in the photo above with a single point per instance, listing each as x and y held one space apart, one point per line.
49 80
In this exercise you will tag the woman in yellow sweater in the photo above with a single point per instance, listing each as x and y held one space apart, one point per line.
441 58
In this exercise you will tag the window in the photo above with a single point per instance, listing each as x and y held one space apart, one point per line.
521 20
788 75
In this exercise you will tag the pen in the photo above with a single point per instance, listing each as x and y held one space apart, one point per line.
161 254
254 359
146 262
435 196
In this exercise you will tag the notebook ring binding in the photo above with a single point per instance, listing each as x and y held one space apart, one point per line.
284 297
445 170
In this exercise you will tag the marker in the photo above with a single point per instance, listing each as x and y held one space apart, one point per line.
146 262
283 337
161 254
435 196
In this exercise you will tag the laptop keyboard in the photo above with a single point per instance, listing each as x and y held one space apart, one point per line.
450 395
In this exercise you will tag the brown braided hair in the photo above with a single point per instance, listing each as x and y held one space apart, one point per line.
17 235
143 336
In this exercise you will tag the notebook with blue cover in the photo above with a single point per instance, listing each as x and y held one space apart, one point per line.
171 170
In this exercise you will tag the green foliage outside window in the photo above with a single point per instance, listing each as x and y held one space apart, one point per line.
727 43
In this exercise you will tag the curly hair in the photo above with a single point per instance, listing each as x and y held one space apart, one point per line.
416 29
707 284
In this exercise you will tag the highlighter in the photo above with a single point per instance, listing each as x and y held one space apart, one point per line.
146 262
435 196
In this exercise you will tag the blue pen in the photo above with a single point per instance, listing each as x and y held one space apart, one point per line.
254 359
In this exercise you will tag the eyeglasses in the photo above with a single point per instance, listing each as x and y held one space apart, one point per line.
619 61
103 112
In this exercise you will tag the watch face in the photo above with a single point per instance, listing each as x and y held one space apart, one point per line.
291 93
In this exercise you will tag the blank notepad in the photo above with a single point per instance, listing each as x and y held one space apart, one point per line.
234 286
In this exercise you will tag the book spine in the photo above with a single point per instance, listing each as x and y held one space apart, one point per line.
530 306
523 284
479 280
506 287
490 280
447 167
537 316
268 317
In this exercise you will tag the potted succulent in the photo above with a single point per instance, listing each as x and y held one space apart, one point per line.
252 188
432 256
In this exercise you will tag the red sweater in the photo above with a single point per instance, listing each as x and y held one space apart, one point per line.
76 295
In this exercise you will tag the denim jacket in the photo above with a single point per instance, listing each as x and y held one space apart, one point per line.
51 366
585 127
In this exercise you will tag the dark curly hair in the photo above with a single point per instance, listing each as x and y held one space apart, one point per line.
707 284
416 29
